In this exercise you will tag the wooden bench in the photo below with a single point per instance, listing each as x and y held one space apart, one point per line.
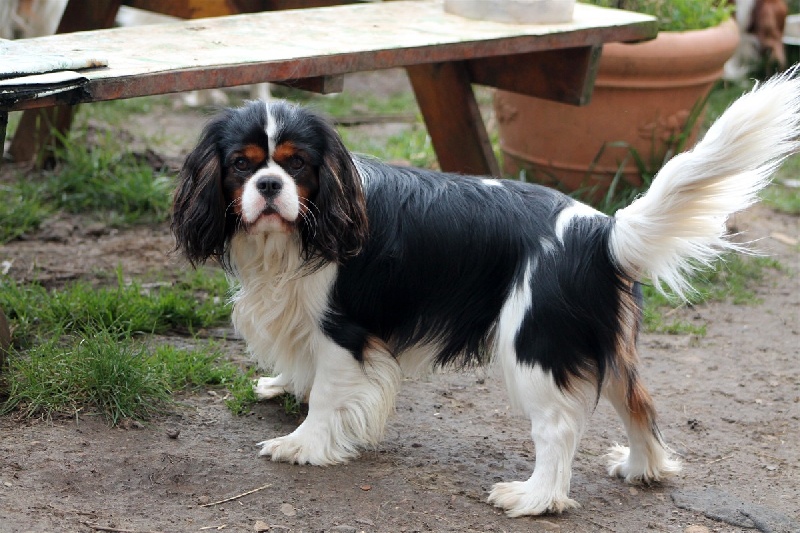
314 48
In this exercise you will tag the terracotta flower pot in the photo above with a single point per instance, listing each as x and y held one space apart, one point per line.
643 95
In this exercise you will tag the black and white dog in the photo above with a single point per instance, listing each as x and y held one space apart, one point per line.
351 272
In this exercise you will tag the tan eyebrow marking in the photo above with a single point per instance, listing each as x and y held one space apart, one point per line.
284 151
254 153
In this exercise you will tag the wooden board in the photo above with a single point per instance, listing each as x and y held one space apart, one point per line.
309 43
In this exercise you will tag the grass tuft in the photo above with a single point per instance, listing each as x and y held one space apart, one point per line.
732 279
101 371
106 179
80 348
112 374
22 210
184 305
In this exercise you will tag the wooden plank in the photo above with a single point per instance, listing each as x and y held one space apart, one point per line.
562 75
228 51
459 138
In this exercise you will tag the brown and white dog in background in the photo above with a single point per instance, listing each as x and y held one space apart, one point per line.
761 25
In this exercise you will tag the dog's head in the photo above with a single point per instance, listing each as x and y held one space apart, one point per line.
269 168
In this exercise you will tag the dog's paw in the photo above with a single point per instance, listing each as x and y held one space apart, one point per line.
305 449
266 388
522 498
645 469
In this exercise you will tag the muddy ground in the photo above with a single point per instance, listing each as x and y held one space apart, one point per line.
729 405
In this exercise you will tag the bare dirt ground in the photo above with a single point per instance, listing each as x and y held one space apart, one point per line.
729 405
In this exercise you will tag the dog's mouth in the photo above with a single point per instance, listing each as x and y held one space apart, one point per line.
269 210
269 219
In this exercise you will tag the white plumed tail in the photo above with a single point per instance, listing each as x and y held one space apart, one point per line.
680 222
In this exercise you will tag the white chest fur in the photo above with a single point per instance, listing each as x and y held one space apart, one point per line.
277 307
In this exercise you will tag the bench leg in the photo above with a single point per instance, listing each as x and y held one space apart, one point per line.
39 133
444 95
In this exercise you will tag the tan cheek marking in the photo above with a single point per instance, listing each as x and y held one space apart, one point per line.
303 195
236 201
233 191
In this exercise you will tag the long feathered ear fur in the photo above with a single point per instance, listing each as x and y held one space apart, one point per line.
340 229
198 208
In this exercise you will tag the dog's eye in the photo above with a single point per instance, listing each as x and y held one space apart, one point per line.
296 163
241 163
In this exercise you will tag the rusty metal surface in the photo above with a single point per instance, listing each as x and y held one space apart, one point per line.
309 43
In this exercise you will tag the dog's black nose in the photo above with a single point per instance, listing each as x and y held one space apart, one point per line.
269 186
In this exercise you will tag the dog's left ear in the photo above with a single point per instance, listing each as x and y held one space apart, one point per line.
198 208
341 226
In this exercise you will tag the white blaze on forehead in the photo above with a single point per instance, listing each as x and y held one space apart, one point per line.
271 129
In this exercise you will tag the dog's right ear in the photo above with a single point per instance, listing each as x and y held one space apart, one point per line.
199 218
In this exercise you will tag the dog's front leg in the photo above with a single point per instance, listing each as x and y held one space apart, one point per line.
348 407
270 387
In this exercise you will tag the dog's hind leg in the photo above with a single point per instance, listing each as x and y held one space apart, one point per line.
646 459
348 407
558 418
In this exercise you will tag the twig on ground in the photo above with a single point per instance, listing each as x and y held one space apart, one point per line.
98 527
237 496
719 459
598 524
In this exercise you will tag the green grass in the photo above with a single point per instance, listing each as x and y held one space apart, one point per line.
186 305
676 15
782 198
103 180
22 210
85 349
108 180
784 193
97 372
348 104
111 373
117 112
188 369
413 147
732 279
